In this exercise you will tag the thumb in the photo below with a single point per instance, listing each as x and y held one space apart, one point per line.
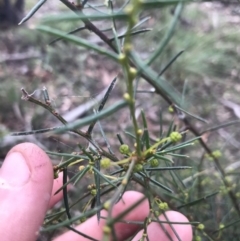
26 179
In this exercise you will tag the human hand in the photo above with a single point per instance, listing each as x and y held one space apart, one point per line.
26 193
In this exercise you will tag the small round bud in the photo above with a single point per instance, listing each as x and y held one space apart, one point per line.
121 58
216 154
154 162
157 213
127 48
105 163
126 96
138 167
129 9
132 72
106 205
200 226
197 238
228 180
170 109
90 171
175 136
93 192
80 168
139 132
124 149
238 194
221 225
124 182
223 190
55 175
106 230
163 206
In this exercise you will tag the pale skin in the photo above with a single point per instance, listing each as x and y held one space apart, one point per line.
26 193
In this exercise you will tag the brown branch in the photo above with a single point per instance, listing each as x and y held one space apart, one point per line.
30 98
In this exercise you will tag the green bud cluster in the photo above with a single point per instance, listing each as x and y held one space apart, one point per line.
163 206
175 136
105 163
90 171
93 192
154 162
216 154
138 167
223 190
124 149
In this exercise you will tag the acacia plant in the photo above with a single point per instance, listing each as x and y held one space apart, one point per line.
159 164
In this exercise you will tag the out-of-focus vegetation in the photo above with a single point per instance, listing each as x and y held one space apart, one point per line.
11 12
206 76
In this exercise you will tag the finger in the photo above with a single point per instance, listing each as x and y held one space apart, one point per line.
155 232
26 180
94 229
